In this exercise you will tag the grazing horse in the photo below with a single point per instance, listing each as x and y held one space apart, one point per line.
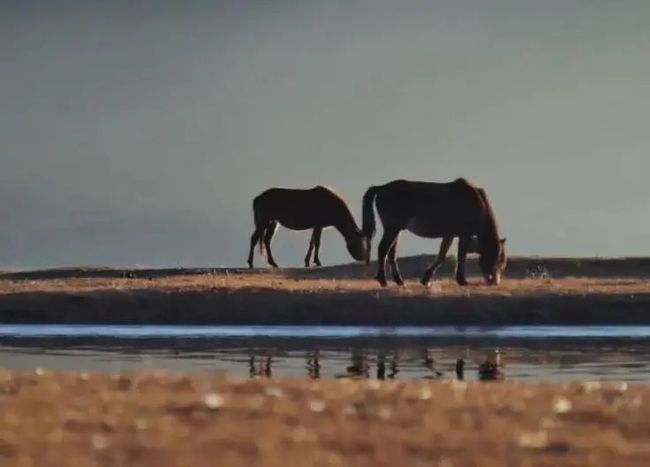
316 208
435 210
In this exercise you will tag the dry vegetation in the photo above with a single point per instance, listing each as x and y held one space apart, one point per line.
258 282
535 292
154 419
525 276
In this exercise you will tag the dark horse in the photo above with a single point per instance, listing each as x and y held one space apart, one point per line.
435 210
316 208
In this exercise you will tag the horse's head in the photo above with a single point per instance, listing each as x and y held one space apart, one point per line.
357 246
493 262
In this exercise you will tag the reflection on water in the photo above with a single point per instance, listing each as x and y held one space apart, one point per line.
559 355
492 368
258 366
460 369
313 365
362 365
381 367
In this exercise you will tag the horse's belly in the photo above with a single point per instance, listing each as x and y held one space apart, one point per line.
426 228
293 225
303 223
295 219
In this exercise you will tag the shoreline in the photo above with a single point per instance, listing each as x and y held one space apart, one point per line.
272 307
536 291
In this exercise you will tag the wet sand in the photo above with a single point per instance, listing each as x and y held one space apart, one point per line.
536 291
157 419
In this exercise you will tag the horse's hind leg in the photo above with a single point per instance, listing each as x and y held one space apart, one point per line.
255 238
397 277
442 254
314 245
309 250
387 240
268 236
317 234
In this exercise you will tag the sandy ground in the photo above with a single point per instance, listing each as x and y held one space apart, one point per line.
536 291
156 419
236 282
525 275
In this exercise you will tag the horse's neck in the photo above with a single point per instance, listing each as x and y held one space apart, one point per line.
490 234
347 226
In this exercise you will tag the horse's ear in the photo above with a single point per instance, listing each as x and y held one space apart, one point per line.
503 241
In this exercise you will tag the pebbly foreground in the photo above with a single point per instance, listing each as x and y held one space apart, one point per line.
164 419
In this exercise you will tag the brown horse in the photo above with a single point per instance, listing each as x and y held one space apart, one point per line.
435 210
316 208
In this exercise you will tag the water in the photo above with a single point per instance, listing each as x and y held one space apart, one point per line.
548 353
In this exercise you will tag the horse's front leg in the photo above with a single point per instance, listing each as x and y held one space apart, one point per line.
309 250
463 243
440 259
317 234
386 243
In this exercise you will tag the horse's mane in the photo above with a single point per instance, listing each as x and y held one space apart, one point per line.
491 223
341 200
333 192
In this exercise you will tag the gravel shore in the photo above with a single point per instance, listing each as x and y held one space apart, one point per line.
159 419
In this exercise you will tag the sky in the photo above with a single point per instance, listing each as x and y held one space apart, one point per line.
138 132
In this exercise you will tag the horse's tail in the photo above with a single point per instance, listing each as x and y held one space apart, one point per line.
256 208
368 224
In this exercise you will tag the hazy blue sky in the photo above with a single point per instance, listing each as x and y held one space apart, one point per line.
139 131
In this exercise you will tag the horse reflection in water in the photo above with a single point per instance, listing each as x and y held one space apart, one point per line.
259 366
387 366
381 367
360 367
313 366
492 368
431 364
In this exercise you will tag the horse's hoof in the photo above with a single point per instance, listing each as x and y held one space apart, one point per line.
382 281
462 282
426 283
250 265
317 263
399 282
273 265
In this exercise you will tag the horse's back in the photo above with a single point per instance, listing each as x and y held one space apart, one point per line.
407 192
430 209
298 208
416 185
295 195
